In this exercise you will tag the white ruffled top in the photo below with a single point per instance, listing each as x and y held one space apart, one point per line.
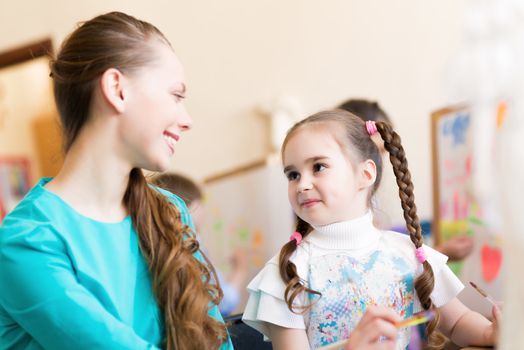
354 238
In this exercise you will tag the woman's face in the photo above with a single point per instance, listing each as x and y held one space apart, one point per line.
154 111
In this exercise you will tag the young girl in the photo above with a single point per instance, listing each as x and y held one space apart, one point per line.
95 258
337 263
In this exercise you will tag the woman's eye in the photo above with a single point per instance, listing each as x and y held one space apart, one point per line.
318 167
292 175
178 97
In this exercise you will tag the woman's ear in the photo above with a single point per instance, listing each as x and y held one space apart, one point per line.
112 88
367 174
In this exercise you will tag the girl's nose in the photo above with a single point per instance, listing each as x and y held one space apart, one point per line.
304 184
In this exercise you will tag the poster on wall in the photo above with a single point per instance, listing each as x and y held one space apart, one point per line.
14 182
457 210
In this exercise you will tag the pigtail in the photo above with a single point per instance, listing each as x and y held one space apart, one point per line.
183 286
288 271
425 283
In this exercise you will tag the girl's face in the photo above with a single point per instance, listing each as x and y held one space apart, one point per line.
154 111
324 187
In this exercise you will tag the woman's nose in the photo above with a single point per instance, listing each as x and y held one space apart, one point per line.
185 121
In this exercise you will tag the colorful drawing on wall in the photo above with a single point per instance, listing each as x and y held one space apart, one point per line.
455 209
14 182
457 206
246 210
237 234
491 261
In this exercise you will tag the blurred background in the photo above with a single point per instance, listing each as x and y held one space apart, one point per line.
240 56
246 62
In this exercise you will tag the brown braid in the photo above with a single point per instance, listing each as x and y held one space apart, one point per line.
425 283
288 271
183 285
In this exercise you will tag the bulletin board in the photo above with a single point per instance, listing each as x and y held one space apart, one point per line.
246 208
456 210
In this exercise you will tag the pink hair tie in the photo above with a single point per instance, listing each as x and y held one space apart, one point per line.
371 127
421 255
296 236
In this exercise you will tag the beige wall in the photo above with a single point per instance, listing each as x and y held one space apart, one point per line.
25 97
240 54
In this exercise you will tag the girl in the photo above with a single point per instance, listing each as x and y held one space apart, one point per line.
337 263
95 258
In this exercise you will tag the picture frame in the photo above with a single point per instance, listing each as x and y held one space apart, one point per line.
451 148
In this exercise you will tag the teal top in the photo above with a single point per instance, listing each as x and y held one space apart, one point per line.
71 282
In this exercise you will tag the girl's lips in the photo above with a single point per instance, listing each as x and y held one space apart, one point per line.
309 203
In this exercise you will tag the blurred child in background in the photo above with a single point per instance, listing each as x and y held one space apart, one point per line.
191 193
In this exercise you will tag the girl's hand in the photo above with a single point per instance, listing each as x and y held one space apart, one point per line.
493 332
456 248
375 331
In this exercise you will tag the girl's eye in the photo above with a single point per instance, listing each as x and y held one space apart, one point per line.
318 167
292 175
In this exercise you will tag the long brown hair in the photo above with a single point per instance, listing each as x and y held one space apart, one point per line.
355 137
183 285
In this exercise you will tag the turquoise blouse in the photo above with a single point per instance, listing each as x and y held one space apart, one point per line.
70 282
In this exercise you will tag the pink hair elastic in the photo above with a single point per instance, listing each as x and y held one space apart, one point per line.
421 254
296 236
371 127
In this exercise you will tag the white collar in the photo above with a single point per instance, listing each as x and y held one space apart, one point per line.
353 234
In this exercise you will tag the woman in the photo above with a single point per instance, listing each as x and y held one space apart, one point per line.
95 258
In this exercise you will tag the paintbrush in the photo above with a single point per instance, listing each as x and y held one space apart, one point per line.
414 320
484 294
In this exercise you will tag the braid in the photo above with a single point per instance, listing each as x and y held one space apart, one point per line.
184 287
288 270
425 283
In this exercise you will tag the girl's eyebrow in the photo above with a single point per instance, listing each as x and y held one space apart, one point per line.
288 168
309 160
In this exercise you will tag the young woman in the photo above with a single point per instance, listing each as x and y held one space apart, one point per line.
95 258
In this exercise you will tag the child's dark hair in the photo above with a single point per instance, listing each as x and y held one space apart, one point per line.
354 136
182 285
180 185
365 110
